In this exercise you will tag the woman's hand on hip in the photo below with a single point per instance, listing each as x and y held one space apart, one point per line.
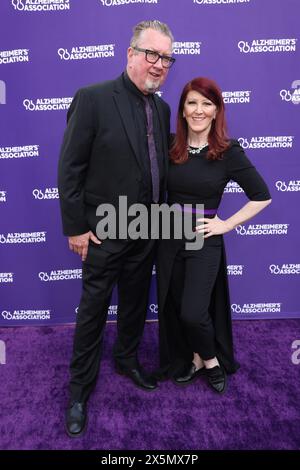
210 227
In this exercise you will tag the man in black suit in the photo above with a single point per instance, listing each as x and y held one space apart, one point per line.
107 152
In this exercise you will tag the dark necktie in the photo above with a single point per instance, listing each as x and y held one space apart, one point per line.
152 151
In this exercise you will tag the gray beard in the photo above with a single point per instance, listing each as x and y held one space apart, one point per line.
152 86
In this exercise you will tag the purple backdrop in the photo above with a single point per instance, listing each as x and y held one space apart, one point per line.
50 48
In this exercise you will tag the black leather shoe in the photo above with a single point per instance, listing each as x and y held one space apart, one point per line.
188 374
217 378
138 377
76 419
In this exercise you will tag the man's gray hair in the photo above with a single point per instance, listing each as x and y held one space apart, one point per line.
162 28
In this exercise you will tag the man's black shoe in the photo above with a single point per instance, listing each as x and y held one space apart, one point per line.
76 419
138 377
217 379
188 374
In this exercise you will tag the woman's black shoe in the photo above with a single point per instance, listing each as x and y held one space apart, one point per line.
188 374
217 378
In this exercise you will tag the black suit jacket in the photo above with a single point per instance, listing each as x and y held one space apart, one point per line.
99 159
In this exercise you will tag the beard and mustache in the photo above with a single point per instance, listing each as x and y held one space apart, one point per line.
152 85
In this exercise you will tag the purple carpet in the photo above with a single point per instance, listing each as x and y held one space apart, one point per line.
261 409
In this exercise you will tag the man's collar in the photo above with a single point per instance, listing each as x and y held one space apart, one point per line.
133 88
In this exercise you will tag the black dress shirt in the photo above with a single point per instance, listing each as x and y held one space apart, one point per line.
140 120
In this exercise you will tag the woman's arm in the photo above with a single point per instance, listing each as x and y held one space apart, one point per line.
217 226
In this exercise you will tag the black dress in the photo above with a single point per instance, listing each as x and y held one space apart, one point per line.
200 181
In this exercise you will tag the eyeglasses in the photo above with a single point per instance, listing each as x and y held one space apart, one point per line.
152 57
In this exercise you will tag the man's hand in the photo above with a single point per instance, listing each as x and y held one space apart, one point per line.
80 243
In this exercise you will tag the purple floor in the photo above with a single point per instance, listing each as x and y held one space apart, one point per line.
261 409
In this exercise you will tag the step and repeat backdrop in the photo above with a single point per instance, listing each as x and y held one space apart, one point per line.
50 48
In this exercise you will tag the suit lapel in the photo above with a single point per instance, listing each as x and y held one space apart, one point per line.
162 123
123 105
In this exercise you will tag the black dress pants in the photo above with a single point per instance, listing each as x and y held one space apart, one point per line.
130 265
193 277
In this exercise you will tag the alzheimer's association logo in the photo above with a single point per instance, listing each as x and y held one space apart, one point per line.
220 2
268 45
40 5
18 4
19 151
98 51
47 104
187 48
261 308
47 193
267 142
238 96
262 229
116 3
14 55
22 315
285 268
293 185
60 275
292 95
3 196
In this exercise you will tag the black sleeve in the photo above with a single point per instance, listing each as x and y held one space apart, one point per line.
240 169
171 140
167 115
73 163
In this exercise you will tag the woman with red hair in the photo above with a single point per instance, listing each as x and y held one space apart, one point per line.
194 306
